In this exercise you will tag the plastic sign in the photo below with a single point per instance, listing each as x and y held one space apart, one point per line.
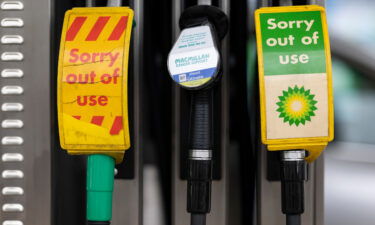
92 80
194 60
295 78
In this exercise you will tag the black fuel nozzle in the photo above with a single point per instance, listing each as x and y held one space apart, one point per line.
201 14
293 175
194 63
200 154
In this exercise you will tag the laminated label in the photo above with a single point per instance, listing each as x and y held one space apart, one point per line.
194 59
295 78
92 80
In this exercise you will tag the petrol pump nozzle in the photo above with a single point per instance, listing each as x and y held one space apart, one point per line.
293 176
194 64
296 107
99 188
92 97
199 14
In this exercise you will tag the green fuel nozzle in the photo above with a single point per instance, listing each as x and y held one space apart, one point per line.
81 127
99 186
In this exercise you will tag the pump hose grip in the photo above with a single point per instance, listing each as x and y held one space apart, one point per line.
200 154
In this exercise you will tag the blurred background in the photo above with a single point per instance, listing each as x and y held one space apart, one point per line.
349 165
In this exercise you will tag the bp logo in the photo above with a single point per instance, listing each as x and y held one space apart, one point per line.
296 106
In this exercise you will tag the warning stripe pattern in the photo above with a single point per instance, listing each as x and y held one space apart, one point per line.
75 27
97 28
119 29
98 120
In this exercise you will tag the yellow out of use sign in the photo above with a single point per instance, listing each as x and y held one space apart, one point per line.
92 80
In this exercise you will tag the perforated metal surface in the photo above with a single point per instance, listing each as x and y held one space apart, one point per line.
25 112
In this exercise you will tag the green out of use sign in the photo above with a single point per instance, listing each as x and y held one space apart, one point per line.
295 78
292 43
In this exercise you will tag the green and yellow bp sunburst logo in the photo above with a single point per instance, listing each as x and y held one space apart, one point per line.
296 106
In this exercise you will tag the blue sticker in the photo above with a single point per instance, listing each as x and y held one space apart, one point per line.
194 75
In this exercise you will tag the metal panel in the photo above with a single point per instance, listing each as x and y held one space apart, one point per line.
127 200
317 2
285 2
25 113
179 214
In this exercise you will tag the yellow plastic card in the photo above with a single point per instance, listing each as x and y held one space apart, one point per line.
92 81
295 78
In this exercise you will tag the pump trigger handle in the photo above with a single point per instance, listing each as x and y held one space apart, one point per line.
199 14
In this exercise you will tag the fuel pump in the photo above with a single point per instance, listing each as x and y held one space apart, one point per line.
92 97
194 64
296 99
